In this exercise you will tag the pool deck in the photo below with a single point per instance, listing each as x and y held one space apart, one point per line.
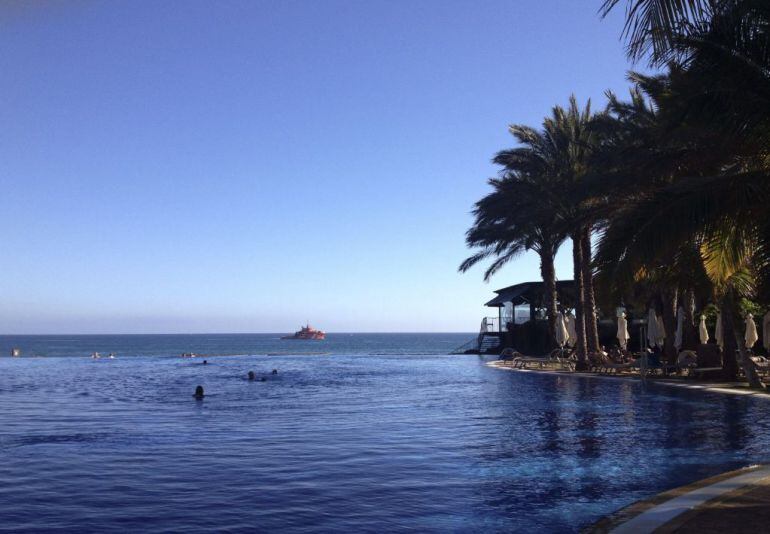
728 388
736 502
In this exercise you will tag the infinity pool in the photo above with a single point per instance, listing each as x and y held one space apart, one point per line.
346 442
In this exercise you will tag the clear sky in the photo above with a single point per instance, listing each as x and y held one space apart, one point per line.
243 166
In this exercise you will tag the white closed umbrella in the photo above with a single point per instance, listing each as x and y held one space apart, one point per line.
766 331
652 328
562 335
703 332
751 336
679 328
623 335
661 331
718 331
571 331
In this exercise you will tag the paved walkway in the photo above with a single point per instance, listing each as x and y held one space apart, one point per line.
735 502
741 511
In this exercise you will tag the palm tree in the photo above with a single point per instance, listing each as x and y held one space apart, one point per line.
571 133
557 158
640 153
721 45
720 179
512 220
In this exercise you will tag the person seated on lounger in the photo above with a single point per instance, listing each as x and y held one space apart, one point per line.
616 355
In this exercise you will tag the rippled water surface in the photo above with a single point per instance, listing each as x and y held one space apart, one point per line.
378 432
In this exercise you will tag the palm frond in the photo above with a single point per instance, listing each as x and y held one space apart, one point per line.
653 26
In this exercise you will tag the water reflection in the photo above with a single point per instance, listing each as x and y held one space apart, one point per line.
602 444
734 417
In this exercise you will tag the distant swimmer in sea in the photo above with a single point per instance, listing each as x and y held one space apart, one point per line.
198 393
251 375
275 371
96 356
262 379
205 362
112 355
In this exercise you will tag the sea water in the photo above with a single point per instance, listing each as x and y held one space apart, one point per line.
362 432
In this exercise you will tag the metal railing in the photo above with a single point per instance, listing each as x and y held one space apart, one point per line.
492 325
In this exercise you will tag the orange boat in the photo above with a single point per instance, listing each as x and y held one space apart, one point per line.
307 332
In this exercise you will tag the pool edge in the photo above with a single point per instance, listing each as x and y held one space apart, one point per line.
697 496
721 388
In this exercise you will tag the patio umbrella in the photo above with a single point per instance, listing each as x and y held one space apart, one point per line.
623 335
661 331
718 331
562 335
679 328
751 336
703 332
766 331
572 333
652 328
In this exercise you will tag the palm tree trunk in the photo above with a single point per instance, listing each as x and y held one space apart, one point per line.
548 273
690 340
668 296
729 363
733 343
580 327
589 309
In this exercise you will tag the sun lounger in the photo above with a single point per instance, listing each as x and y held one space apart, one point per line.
611 367
522 362
509 355
603 364
761 365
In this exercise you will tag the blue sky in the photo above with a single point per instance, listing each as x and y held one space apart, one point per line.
243 166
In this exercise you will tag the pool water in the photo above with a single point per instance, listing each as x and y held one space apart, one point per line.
368 436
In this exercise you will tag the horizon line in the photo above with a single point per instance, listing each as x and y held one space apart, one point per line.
231 333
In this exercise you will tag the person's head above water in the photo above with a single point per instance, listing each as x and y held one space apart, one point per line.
205 362
251 375
198 392
275 371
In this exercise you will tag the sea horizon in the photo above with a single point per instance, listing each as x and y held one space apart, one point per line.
233 333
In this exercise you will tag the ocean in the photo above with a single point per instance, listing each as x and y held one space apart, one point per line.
358 433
